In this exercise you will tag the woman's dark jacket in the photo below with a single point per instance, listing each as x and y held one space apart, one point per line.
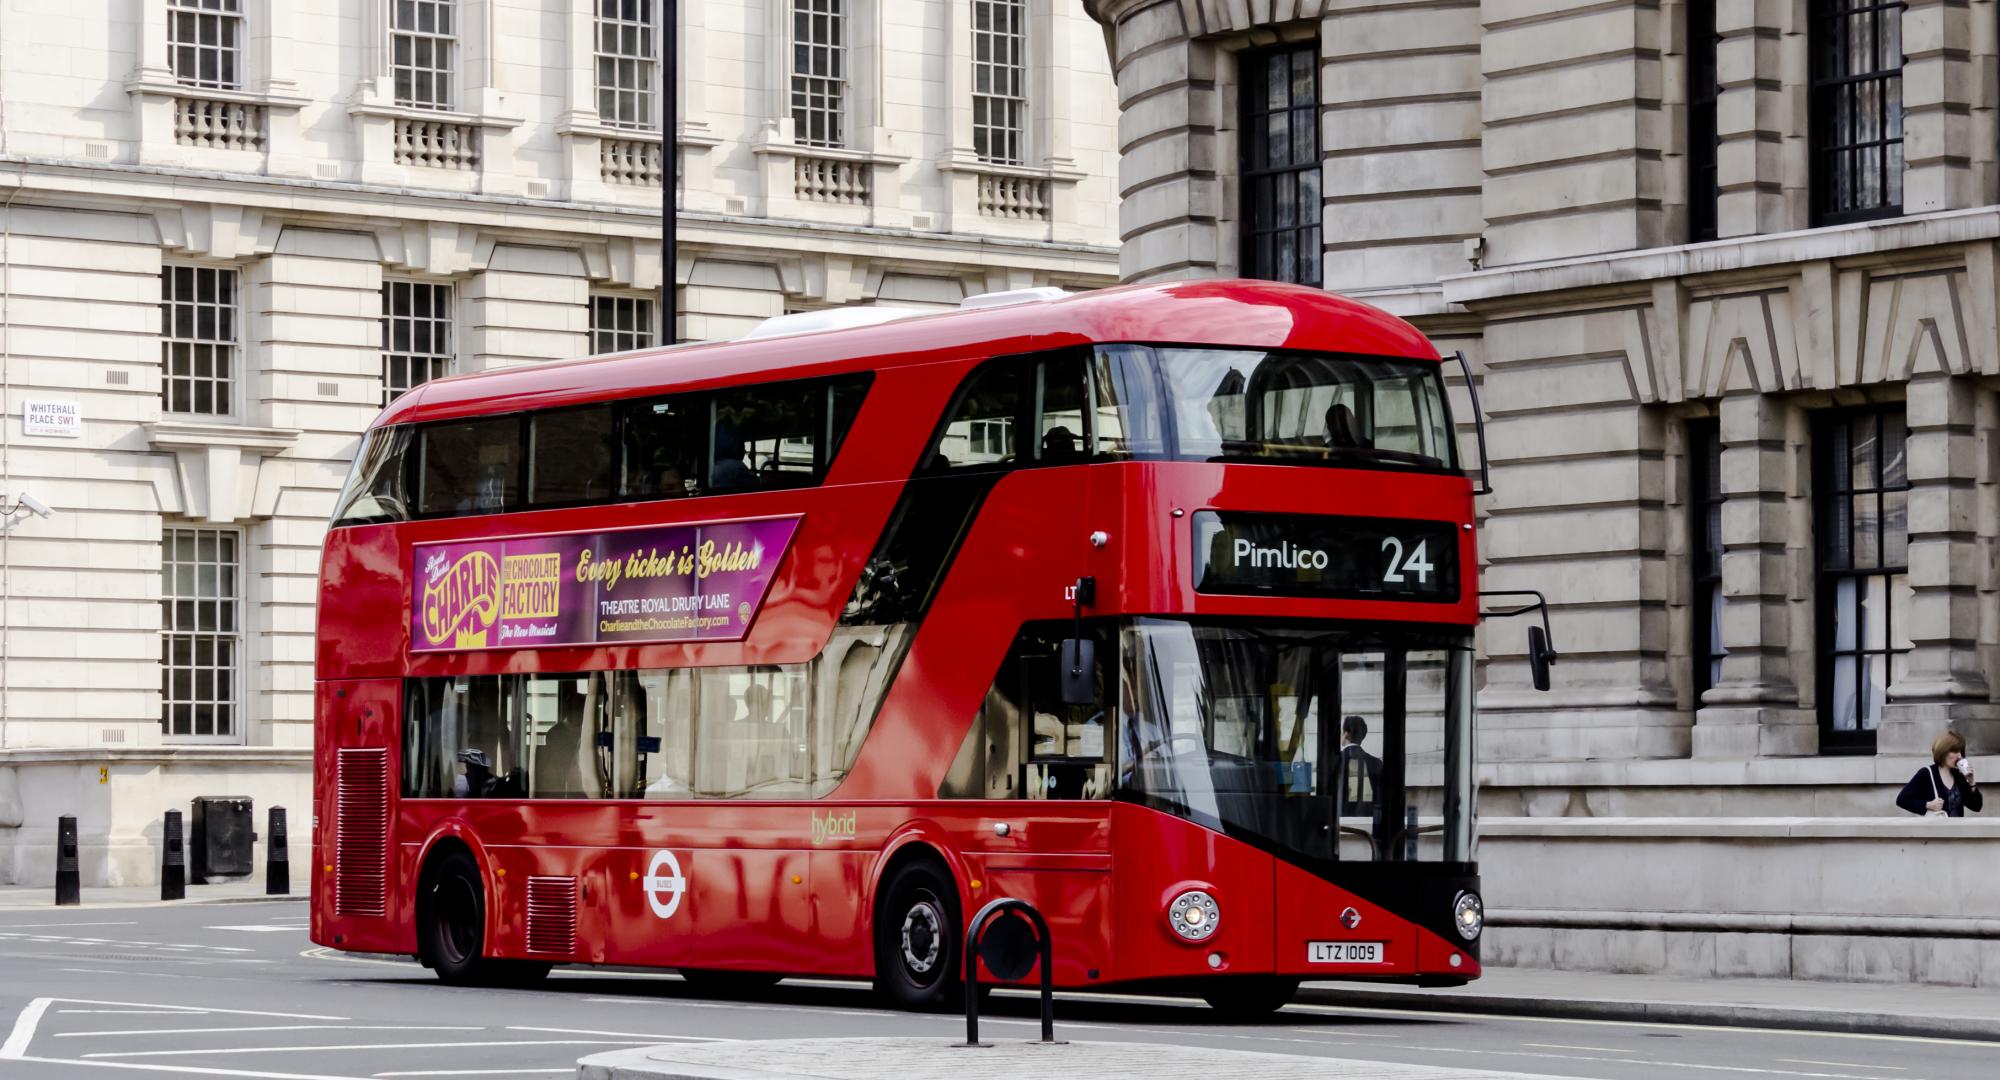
1957 800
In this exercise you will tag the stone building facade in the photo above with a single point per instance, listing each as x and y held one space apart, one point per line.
233 228
1726 274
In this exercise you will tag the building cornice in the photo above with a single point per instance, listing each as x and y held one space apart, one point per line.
161 88
116 186
1747 256
121 188
181 435
436 116
782 235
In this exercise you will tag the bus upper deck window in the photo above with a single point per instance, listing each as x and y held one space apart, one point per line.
767 436
984 422
661 447
471 467
377 486
1125 405
1064 389
572 456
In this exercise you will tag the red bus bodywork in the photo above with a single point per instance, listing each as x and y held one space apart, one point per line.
764 891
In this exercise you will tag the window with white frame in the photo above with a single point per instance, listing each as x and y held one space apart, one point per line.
416 335
205 43
198 327
628 64
201 635
619 323
423 37
999 79
819 71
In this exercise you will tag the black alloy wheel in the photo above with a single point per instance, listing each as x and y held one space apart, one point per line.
452 929
918 965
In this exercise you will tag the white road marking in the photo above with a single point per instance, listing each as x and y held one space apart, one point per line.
633 1034
487 1073
1343 1033
118 1012
1842 1064
24 1029
367 1046
195 1070
194 1010
63 925
259 929
1592 1049
50 939
274 1027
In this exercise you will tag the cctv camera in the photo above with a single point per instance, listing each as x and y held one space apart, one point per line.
38 506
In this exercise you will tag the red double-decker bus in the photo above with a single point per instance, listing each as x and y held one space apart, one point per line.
1151 606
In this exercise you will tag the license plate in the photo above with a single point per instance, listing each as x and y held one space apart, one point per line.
1344 952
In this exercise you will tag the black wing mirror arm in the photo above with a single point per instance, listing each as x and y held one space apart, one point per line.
1541 652
1478 426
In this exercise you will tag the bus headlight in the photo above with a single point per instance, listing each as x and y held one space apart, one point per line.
1194 915
1468 915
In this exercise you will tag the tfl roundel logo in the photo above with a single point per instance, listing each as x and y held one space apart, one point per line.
664 890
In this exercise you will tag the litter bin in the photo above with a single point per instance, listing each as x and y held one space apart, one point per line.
222 840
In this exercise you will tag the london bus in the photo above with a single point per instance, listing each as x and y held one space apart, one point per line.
1152 607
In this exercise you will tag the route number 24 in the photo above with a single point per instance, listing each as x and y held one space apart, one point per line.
1416 563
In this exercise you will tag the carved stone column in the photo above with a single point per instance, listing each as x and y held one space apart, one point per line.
1756 710
1942 681
1938 91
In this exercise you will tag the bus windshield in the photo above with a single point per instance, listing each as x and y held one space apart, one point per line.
1319 744
1303 408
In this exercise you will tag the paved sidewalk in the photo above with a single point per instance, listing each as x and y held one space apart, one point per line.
927 1059
1880 1008
33 897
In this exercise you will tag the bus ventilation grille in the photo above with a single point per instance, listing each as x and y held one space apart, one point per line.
361 836
552 915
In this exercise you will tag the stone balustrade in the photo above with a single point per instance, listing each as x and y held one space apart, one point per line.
218 125
437 144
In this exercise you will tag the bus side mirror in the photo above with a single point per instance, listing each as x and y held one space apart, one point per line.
1540 656
1079 671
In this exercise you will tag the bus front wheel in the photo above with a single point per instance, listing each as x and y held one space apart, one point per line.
917 939
453 929
1251 999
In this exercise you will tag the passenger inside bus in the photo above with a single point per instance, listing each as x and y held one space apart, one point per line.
1059 444
730 470
1342 433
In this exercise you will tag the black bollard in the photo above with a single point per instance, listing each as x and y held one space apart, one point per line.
278 859
173 859
69 883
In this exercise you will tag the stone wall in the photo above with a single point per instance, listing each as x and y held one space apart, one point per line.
1809 898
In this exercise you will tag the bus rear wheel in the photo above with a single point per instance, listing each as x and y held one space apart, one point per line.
452 929
1251 999
917 939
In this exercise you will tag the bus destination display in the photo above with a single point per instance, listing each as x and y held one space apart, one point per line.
1320 556
668 583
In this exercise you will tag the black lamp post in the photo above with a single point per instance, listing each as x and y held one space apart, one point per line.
670 154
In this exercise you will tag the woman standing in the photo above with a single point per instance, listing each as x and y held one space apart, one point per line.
1944 787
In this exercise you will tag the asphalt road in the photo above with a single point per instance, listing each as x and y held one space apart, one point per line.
236 990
